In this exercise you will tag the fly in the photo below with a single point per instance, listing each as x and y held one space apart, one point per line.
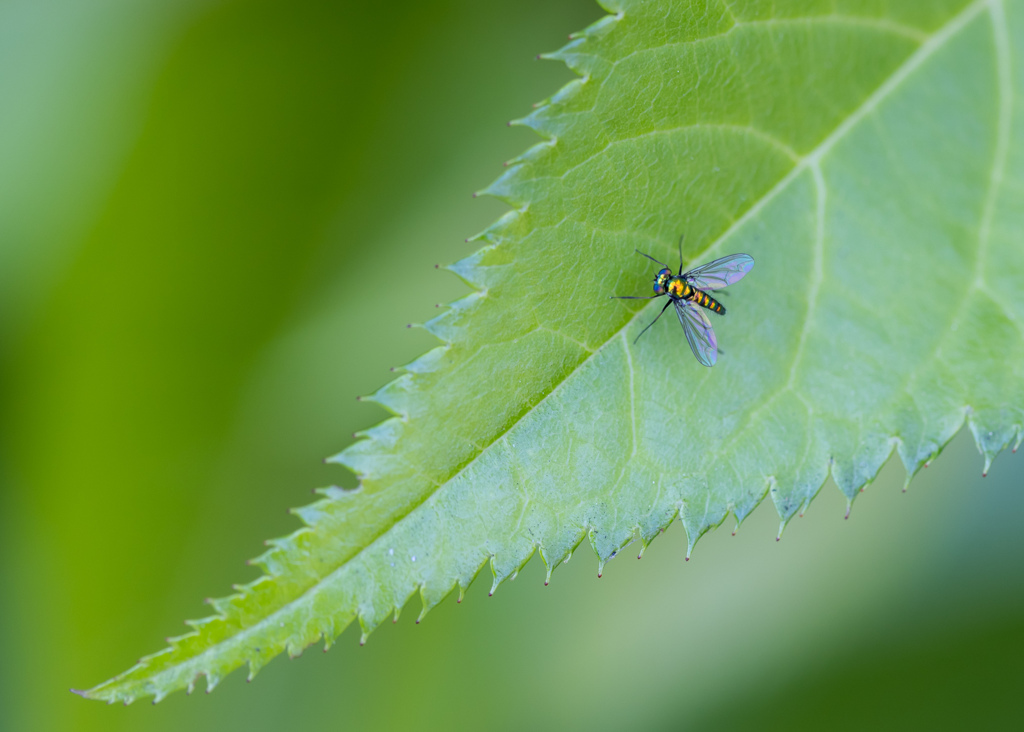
688 292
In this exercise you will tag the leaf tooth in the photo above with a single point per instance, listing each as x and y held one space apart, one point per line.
431 595
697 521
548 567
496 578
311 513
804 507
425 603
507 187
370 617
383 435
196 624
267 561
367 458
915 457
496 232
643 548
516 183
327 633
221 605
991 435
256 661
787 506
447 327
394 396
428 362
213 678
599 27
655 527
474 272
333 492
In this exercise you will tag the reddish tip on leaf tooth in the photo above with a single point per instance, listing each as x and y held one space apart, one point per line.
458 601
417 621
687 559
984 475
409 325
538 57
778 538
359 399
490 594
474 193
545 583
509 123
438 266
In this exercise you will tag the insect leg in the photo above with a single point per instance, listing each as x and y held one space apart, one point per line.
653 321
650 258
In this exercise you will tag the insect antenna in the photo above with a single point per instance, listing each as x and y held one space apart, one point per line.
632 297
653 321
650 258
681 253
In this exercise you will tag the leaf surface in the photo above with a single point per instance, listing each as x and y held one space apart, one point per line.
868 155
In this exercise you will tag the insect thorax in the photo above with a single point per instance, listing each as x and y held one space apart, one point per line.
677 288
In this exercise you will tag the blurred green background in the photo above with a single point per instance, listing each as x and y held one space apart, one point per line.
204 210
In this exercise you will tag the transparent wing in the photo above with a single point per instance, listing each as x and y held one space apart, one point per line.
720 273
699 333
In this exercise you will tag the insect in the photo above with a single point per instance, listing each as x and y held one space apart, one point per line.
688 292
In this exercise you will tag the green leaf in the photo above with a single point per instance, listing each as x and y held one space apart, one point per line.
867 154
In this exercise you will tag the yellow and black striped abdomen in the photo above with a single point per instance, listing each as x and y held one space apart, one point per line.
705 300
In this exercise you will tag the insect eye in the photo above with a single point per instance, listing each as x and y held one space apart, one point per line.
658 289
665 273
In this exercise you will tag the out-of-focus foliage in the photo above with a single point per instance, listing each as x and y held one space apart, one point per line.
803 134
110 532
